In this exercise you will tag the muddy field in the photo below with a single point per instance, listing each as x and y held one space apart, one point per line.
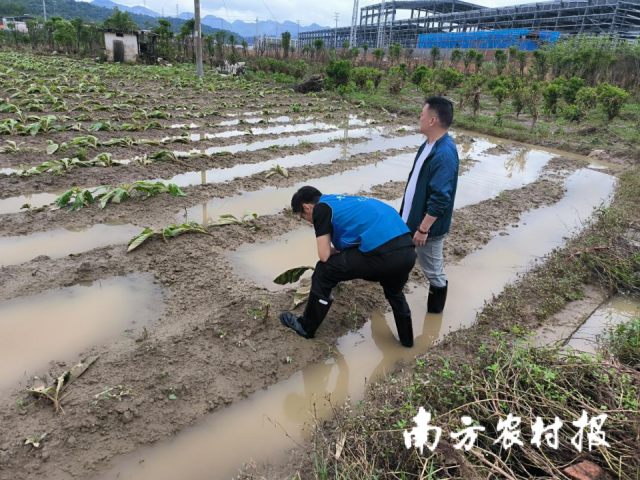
186 331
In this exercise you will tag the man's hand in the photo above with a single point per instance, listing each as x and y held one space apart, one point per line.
420 239
334 251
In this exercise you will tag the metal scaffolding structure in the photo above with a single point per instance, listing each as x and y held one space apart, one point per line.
378 26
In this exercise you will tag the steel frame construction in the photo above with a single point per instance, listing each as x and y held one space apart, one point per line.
378 26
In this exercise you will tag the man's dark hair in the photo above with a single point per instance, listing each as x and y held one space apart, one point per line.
306 194
443 108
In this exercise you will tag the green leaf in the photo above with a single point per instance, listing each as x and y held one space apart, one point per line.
63 199
52 147
105 199
137 241
291 276
172 397
175 190
78 203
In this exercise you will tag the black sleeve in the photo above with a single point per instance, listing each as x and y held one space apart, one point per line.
322 215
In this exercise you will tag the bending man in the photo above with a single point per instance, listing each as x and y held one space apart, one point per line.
370 241
428 201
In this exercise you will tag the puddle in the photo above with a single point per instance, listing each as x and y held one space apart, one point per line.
62 242
36 200
295 140
59 324
298 127
221 444
613 312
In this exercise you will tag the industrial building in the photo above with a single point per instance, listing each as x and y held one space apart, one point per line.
405 22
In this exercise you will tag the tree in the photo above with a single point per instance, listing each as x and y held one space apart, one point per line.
532 97
353 54
220 37
479 61
551 94
469 57
338 73
163 30
378 54
365 49
500 94
540 64
435 55
120 21
245 47
501 61
232 42
612 99
187 32
396 78
456 56
318 45
395 50
472 89
521 57
209 47
64 33
286 43
345 49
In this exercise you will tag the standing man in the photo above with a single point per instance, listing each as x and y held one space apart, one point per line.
428 201
370 241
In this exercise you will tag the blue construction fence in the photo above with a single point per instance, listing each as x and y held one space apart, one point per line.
524 38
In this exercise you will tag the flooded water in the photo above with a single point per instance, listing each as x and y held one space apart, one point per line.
316 157
59 324
36 200
221 444
270 199
62 242
613 312
490 175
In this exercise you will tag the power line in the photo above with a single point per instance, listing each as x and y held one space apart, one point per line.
227 12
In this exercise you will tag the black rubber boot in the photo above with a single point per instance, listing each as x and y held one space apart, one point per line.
437 298
405 328
314 314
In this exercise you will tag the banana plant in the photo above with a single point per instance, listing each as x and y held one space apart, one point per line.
277 170
165 233
9 126
247 220
81 198
293 275
120 142
11 147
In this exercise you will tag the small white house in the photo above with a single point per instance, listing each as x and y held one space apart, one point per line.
20 23
121 46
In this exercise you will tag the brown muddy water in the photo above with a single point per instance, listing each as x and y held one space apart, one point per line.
59 324
62 242
490 175
613 312
254 429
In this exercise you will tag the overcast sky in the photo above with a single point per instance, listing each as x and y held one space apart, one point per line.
307 11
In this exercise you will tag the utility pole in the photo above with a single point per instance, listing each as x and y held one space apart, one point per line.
177 13
257 39
44 9
354 25
335 39
55 10
198 32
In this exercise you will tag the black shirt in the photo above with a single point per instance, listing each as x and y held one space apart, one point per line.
323 215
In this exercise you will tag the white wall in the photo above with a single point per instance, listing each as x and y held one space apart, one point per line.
130 46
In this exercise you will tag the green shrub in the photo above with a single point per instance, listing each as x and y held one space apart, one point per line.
587 99
338 73
396 78
573 113
296 69
362 75
421 74
551 94
612 99
500 94
623 341
449 77
571 88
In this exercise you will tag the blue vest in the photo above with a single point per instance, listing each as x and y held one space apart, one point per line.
362 222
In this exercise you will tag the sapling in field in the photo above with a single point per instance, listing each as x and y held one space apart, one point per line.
293 275
246 220
277 170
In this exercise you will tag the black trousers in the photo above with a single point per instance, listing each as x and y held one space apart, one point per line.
390 269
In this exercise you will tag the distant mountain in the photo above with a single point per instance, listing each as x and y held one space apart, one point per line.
99 10
248 30
139 9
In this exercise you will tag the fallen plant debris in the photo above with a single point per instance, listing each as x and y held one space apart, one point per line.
293 275
110 194
52 390
169 231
